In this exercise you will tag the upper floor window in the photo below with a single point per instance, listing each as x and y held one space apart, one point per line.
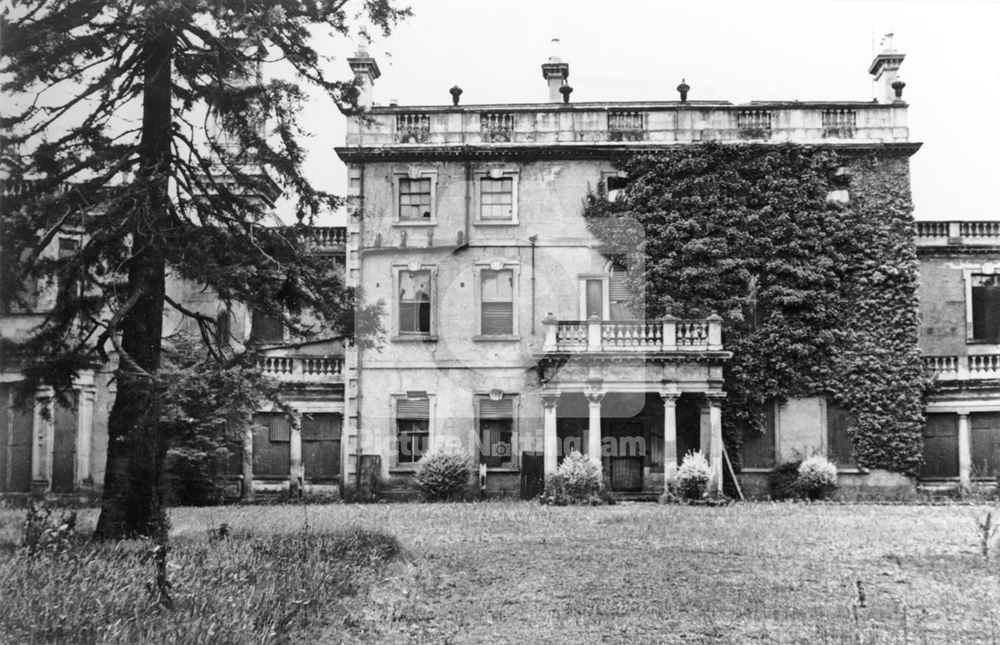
497 199
415 199
265 328
985 307
497 314
415 302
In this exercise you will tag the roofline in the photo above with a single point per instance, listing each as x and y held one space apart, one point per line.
633 105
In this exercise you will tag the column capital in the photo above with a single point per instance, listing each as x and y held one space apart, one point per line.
714 398
669 393
550 399
594 397
594 390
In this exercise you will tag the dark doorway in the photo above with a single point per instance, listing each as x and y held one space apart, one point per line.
16 423
64 424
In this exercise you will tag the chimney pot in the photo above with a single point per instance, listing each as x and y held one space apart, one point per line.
565 90
456 92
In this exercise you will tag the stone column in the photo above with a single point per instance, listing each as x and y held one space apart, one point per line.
964 454
594 399
246 459
296 471
669 436
84 436
42 440
715 440
550 437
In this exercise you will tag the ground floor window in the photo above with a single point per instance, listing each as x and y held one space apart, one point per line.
758 449
496 432
940 446
16 424
984 435
839 450
321 445
272 435
412 429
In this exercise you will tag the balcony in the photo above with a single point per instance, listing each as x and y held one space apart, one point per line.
958 233
330 239
637 123
304 369
669 335
963 368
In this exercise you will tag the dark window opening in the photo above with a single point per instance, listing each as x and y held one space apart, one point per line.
986 308
412 429
321 445
265 328
496 432
415 302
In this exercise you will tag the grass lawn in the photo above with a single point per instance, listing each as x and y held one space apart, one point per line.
517 572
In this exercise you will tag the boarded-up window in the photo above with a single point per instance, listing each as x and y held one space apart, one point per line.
271 436
940 446
595 299
321 445
415 302
266 328
840 450
497 199
16 423
496 432
415 199
984 435
412 428
986 308
498 302
758 449
620 294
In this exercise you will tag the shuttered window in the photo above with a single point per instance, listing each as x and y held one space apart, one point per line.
412 429
496 432
620 294
595 299
758 450
986 308
321 445
984 438
497 316
271 437
840 449
415 302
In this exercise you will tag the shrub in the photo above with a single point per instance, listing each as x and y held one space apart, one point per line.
443 474
784 482
817 477
579 480
693 476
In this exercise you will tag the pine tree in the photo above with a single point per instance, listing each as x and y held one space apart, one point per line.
108 140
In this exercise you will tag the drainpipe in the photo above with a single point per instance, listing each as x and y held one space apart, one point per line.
468 201
532 239
357 346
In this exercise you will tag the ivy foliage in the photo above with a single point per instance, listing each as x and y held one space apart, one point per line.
818 295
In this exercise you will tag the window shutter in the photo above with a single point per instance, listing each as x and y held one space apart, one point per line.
498 318
413 409
320 427
490 409
595 299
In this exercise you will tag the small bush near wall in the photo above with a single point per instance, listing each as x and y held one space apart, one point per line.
578 481
784 482
817 478
443 475
693 476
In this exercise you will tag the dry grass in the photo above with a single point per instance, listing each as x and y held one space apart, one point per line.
519 572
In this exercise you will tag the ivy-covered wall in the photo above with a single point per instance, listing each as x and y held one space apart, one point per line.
818 293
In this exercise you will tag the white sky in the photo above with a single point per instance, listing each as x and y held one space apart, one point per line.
727 50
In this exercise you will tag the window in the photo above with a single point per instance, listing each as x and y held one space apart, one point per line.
265 328
839 449
496 199
594 301
497 313
984 440
496 431
271 440
415 199
985 307
619 293
68 247
412 428
758 449
321 445
415 302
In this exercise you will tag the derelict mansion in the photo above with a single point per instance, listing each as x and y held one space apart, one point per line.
507 330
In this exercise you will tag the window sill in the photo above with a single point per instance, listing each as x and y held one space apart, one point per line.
504 338
403 470
406 223
498 223
416 338
503 470
972 341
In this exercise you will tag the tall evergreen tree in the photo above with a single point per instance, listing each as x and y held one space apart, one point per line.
109 141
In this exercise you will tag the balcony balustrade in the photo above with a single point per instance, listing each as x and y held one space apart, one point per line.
303 369
963 368
650 336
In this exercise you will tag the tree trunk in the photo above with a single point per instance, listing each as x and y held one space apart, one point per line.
132 503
